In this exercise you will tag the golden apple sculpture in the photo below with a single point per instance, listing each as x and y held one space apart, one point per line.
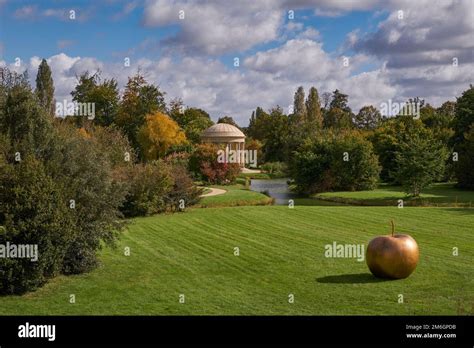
392 256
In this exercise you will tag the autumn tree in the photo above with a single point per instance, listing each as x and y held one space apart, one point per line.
158 134
139 100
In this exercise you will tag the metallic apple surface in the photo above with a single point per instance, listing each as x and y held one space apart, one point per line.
392 256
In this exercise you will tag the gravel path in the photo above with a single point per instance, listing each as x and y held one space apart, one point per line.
214 192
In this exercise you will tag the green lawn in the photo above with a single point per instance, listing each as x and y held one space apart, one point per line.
281 252
438 195
236 195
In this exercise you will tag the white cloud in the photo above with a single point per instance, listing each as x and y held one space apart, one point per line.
215 27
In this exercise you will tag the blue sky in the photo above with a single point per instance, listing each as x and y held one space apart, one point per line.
106 35
192 58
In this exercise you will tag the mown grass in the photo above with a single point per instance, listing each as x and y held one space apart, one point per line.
443 194
236 195
281 253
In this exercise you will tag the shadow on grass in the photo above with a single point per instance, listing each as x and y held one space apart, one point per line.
357 278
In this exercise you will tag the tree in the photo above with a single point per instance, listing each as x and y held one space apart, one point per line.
299 106
45 87
463 139
420 161
103 93
387 138
158 134
464 167
464 115
23 120
228 120
339 115
339 100
192 120
33 210
275 143
139 99
329 162
258 124
57 192
368 118
313 109
337 119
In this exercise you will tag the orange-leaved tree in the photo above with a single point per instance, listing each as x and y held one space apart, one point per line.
158 135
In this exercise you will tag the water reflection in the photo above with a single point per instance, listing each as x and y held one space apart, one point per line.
279 190
276 188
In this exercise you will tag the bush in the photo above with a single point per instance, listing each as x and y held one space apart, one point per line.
61 194
204 165
148 186
275 169
33 212
183 190
345 162
83 171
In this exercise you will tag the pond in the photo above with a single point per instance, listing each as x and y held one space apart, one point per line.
279 190
275 188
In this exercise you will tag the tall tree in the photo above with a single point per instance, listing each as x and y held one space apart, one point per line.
45 87
313 109
275 145
258 125
299 107
22 119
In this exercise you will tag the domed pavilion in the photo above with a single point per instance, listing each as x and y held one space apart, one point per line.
228 135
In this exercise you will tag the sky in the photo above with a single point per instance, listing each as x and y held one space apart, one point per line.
374 51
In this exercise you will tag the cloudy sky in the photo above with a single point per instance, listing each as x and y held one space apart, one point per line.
371 50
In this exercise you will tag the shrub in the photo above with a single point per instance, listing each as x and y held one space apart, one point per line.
83 171
60 196
148 186
183 189
345 162
204 165
33 210
276 169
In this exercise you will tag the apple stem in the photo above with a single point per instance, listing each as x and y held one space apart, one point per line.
393 226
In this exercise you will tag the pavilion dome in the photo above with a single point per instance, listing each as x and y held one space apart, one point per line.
223 132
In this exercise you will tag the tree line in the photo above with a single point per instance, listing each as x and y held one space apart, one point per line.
409 150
